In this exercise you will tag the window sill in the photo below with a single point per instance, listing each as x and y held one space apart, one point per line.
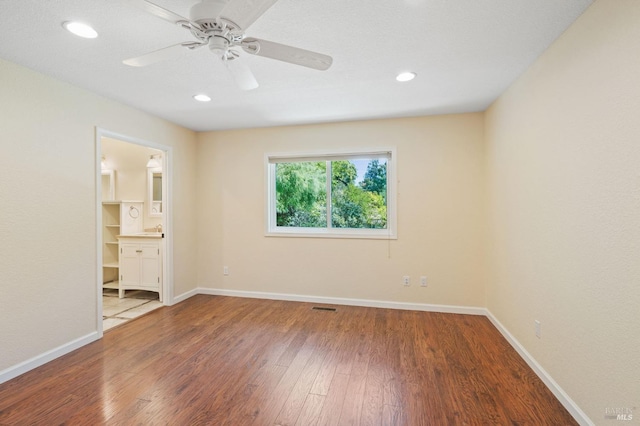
350 234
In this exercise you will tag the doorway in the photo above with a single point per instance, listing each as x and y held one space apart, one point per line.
133 179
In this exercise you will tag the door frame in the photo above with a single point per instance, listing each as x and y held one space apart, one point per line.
167 197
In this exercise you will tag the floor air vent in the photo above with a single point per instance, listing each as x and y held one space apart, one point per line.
320 308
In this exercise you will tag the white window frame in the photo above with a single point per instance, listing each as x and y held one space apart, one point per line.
272 230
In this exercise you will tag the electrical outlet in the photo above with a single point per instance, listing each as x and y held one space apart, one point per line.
406 280
423 281
537 328
225 270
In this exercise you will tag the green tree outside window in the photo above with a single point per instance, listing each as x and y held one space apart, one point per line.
356 201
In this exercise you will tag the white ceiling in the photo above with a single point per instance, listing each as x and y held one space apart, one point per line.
465 52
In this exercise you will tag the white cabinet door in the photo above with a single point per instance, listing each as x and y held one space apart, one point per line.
150 265
129 264
140 265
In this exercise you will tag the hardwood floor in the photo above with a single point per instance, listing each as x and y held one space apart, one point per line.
215 360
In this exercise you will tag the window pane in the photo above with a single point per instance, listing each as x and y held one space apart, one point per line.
359 193
301 194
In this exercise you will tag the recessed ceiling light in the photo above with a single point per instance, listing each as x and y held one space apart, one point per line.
80 29
202 98
406 76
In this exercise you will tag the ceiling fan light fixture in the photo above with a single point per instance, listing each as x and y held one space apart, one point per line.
201 97
219 45
405 76
80 29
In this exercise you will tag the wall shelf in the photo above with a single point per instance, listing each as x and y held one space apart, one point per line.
114 285
118 217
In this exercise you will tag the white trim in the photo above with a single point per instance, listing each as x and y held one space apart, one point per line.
99 232
35 362
270 196
369 234
333 155
467 310
167 223
546 378
327 204
185 296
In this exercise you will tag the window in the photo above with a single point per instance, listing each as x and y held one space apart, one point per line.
332 195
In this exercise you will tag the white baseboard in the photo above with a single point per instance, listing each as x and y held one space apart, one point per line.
468 310
546 378
185 296
37 361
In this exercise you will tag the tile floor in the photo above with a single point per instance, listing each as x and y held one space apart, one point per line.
117 311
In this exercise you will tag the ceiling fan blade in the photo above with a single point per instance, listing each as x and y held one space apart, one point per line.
159 11
241 73
285 53
159 55
245 12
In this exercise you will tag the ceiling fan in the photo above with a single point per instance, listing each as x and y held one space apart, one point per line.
220 25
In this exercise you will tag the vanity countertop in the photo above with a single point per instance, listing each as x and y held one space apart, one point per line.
143 235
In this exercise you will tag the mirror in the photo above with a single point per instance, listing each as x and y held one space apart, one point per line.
154 199
108 185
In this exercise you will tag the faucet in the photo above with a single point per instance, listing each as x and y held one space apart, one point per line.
159 228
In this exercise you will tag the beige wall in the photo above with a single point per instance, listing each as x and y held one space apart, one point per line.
440 192
563 152
129 161
48 207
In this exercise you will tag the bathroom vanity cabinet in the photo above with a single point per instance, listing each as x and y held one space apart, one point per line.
118 217
140 263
